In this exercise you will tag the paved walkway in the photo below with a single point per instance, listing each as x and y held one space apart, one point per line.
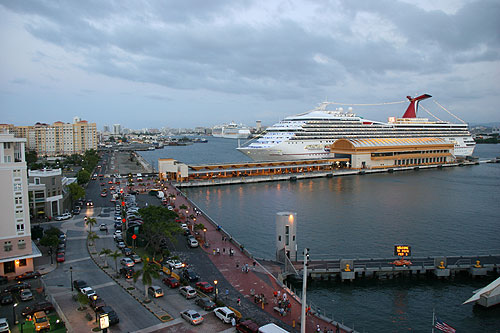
256 281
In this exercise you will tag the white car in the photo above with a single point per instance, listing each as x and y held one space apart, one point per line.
26 295
192 316
103 227
175 264
4 325
62 217
188 292
87 291
127 262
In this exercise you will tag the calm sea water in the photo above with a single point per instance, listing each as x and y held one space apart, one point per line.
438 212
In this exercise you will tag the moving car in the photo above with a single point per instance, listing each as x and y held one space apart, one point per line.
62 217
127 272
90 203
136 258
127 251
205 287
155 291
76 210
192 317
127 262
103 227
205 303
171 282
120 245
28 275
187 291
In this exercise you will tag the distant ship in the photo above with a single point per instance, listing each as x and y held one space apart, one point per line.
231 131
310 135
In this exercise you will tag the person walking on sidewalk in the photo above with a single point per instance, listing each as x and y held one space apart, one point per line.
238 302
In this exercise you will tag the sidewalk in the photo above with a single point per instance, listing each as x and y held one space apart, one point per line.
257 281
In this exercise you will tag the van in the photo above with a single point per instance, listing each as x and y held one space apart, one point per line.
271 328
225 314
41 321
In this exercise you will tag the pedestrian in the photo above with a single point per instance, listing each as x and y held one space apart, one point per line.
246 268
275 294
214 251
279 293
218 251
254 263
238 302
318 329
227 293
233 322
223 250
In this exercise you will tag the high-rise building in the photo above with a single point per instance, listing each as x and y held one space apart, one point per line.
59 138
105 129
16 249
117 129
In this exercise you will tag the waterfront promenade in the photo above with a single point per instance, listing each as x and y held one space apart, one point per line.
256 282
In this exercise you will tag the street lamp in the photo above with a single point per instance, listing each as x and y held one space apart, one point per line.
204 235
14 313
71 276
216 291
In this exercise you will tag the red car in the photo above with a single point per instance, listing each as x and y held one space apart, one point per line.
171 282
205 287
110 182
60 257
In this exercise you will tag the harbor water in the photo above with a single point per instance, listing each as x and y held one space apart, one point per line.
450 211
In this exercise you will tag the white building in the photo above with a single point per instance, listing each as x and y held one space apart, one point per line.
117 129
16 249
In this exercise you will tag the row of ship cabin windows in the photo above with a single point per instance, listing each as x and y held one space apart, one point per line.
410 152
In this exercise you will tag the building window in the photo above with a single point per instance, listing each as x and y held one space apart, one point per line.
37 181
18 200
19 213
22 262
21 244
17 173
20 227
17 187
9 267
7 246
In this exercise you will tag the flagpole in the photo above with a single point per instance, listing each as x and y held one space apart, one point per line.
432 320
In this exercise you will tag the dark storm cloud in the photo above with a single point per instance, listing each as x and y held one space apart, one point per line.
184 45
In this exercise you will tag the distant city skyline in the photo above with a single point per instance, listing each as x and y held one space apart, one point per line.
163 64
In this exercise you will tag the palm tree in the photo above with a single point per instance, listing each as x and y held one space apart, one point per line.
106 253
90 222
92 237
115 255
148 272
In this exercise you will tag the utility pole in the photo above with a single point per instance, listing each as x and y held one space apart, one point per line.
304 289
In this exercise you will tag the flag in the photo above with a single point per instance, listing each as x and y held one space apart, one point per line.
443 327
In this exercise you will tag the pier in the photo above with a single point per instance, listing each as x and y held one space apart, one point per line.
389 268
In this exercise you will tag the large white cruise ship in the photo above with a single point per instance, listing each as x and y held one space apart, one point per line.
309 135
231 131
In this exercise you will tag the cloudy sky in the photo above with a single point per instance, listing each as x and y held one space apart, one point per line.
199 63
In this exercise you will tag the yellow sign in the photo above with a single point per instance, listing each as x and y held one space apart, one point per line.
402 250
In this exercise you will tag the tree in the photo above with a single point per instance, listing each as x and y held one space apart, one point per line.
148 272
31 157
183 206
90 221
199 226
83 300
106 253
50 240
83 176
115 255
92 236
158 227
76 191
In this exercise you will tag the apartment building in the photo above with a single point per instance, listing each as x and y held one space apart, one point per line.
16 249
59 138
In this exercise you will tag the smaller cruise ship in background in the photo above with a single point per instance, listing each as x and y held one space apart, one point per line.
231 131
309 135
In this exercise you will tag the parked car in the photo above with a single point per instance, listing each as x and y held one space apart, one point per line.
60 257
3 279
205 287
190 275
18 286
247 326
192 242
62 217
6 298
39 306
225 314
127 272
4 325
26 295
192 317
96 302
187 291
155 291
205 303
112 316
171 282
41 321
77 210
87 291
28 275
79 284
127 262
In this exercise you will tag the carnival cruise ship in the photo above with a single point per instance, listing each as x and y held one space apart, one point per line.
231 131
309 135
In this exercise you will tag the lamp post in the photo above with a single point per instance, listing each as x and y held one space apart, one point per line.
216 290
71 276
304 289
14 313
204 235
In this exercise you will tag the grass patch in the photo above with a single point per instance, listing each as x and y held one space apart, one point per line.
165 318
130 288
96 329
